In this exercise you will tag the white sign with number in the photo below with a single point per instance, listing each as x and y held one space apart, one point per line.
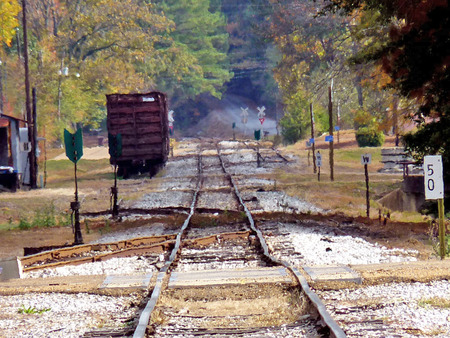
366 159
434 183
318 159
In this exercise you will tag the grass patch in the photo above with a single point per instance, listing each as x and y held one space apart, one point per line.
436 302
31 310
62 172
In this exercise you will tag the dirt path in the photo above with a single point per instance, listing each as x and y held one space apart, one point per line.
95 153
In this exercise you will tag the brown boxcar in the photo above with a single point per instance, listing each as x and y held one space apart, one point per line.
142 121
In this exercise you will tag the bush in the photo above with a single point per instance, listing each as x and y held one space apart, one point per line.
369 137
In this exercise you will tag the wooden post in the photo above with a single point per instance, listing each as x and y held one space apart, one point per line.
330 119
366 173
312 136
31 124
338 122
442 249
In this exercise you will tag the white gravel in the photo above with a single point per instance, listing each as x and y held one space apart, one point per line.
70 315
315 246
392 310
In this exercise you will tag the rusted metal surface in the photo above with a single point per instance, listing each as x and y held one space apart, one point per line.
72 253
142 121
128 252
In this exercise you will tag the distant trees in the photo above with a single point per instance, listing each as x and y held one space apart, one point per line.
196 50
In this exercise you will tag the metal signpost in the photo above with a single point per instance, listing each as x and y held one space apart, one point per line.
318 163
434 190
74 151
115 150
261 117
366 159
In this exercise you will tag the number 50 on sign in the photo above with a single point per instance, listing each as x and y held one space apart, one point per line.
434 184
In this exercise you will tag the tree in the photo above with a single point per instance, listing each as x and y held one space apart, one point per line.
9 9
416 56
197 51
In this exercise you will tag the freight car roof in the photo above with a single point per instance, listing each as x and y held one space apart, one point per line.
134 97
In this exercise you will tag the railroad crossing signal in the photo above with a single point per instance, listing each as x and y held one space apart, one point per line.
244 115
261 114
115 145
171 121
74 145
170 117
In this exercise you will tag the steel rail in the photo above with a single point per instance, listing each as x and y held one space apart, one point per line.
163 273
335 329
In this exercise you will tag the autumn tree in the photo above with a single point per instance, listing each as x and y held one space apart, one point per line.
8 24
416 56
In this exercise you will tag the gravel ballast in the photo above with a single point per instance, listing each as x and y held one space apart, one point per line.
63 315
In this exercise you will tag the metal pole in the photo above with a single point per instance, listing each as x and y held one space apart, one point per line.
442 249
78 235
366 173
32 153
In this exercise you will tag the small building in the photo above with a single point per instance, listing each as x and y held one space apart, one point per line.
14 148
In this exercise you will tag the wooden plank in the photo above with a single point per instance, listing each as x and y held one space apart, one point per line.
129 130
135 108
145 140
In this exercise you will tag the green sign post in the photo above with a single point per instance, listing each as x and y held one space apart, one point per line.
115 151
74 151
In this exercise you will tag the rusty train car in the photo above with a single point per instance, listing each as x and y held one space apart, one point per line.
142 120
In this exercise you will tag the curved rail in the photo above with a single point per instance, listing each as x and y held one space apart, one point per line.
335 330
146 313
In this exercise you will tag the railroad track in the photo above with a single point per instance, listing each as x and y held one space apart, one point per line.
166 315
220 259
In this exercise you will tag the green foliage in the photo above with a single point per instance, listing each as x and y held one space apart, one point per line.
46 216
8 20
292 127
31 310
197 48
24 224
431 138
369 137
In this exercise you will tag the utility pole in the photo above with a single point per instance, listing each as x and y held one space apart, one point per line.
330 119
312 136
31 126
